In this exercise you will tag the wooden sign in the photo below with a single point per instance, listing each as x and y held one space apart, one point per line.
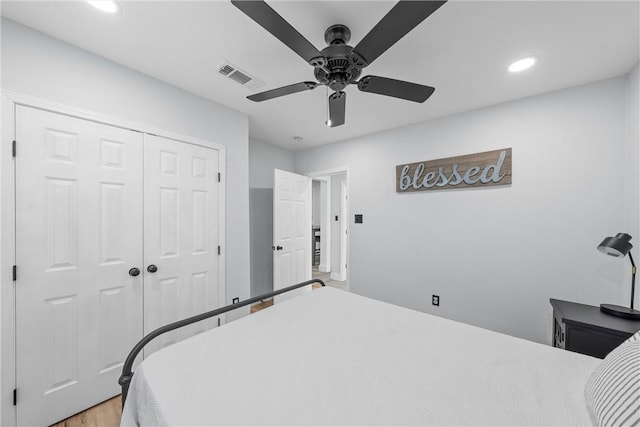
473 170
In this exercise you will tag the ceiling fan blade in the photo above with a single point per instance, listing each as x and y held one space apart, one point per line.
401 19
336 108
396 88
282 91
269 19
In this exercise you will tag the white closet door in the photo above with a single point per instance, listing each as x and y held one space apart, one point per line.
78 232
181 236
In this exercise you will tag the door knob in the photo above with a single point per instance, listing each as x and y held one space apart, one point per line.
278 248
152 268
134 272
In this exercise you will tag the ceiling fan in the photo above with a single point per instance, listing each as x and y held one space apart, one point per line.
339 64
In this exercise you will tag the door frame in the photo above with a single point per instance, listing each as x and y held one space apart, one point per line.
344 229
9 101
325 223
325 173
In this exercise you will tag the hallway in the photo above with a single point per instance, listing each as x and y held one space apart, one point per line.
326 278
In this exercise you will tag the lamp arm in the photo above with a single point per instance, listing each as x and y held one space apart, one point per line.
633 279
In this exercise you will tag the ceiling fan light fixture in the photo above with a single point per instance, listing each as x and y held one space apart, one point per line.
523 64
108 6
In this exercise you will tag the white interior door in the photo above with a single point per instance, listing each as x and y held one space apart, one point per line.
78 233
291 230
181 236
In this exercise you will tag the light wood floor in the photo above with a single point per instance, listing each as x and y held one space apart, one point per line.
261 305
107 414
326 278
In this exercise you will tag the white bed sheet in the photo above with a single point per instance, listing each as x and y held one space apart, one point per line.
334 358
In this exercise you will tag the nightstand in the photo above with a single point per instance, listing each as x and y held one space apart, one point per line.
585 329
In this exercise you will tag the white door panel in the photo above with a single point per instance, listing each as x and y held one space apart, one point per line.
291 230
181 236
78 232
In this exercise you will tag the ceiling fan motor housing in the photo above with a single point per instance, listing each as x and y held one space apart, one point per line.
339 71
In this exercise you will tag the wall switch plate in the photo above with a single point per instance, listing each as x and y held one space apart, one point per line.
435 300
358 218
236 300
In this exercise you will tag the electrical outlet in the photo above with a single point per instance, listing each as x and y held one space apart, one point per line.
435 300
236 300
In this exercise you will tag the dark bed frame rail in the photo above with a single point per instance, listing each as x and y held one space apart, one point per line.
127 373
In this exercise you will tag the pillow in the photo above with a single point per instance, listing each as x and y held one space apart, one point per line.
613 389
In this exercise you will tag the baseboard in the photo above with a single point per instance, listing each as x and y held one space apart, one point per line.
336 276
324 268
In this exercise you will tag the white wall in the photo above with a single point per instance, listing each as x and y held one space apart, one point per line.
38 65
496 255
263 159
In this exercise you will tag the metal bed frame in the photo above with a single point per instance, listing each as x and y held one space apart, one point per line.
127 373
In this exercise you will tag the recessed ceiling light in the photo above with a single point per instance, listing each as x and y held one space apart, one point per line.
298 138
522 64
109 6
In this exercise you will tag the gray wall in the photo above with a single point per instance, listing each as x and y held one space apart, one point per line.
263 159
495 256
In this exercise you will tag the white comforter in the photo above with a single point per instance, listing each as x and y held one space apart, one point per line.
334 358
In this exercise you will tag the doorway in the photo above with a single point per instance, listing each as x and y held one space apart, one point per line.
330 228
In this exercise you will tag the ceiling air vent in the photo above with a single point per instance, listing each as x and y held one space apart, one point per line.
229 70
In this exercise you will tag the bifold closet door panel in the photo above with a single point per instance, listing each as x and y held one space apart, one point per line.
181 205
79 207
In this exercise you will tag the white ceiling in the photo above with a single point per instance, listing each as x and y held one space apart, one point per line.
462 50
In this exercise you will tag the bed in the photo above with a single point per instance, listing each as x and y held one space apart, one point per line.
329 357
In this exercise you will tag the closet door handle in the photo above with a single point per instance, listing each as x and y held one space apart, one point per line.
152 268
134 272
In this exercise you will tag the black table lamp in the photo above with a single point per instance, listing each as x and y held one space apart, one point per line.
619 246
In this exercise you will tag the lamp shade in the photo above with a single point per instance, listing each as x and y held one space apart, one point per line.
617 246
